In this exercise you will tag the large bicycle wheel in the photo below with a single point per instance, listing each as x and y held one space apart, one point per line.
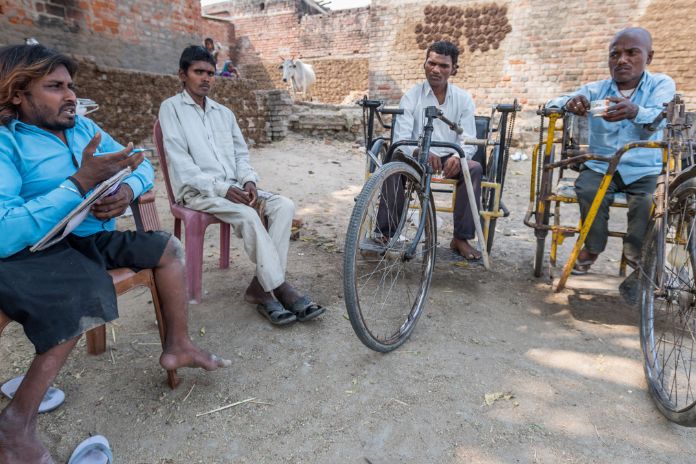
385 289
668 321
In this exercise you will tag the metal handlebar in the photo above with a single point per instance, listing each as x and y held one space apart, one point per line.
452 125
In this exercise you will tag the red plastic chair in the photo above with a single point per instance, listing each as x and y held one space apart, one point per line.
195 224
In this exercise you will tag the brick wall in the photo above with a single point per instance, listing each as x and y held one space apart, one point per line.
340 80
144 35
129 101
549 51
336 44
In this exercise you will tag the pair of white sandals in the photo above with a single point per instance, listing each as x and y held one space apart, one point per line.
94 450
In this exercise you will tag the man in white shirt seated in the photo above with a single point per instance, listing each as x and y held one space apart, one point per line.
457 106
209 169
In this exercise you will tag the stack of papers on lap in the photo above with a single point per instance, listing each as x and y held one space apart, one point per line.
75 217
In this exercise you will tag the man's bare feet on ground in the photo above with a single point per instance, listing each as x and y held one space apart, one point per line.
189 355
463 248
19 444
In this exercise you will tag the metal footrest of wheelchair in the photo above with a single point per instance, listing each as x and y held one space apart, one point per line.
368 244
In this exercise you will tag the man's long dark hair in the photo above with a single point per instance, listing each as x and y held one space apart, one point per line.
19 66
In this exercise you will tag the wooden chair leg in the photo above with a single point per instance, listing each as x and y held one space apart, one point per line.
96 340
172 378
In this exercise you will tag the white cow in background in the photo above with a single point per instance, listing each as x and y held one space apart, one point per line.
300 75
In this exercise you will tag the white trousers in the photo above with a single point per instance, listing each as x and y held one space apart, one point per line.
268 249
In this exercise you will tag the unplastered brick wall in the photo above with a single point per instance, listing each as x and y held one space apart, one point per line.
550 50
336 44
130 100
146 35
340 81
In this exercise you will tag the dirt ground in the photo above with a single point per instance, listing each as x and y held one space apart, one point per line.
565 368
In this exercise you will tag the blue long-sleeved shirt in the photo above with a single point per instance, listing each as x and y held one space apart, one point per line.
34 192
606 137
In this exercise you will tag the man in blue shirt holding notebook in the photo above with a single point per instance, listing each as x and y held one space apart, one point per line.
47 166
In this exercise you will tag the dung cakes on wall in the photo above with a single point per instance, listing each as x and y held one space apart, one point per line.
479 28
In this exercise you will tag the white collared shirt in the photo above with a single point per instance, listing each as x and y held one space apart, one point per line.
206 152
458 107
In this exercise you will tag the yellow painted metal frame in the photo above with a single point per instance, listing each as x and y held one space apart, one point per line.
486 215
558 231
592 213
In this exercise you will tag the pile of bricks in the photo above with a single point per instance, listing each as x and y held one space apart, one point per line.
279 110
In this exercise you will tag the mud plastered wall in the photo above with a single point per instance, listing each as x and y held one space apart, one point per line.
335 44
550 48
129 101
146 35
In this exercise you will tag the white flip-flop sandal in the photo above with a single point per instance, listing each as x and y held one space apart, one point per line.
94 450
53 398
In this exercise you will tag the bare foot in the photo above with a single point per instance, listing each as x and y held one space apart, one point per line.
255 293
463 248
189 355
19 443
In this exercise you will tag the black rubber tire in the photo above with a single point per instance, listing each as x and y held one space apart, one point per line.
539 257
359 311
494 174
542 219
382 147
664 319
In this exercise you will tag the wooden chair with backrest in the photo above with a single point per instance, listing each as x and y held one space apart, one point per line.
146 218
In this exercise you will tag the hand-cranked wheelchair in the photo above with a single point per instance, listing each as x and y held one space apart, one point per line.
496 130
562 137
392 235
667 270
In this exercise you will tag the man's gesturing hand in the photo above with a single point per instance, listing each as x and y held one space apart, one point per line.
95 169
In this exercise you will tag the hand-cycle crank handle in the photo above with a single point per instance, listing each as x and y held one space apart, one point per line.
452 125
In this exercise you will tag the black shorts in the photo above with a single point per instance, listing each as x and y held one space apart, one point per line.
63 291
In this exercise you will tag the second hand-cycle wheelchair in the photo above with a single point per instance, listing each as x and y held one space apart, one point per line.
391 239
667 271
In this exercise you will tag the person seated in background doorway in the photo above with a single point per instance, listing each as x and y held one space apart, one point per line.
635 97
209 168
457 105
229 70
213 48
47 166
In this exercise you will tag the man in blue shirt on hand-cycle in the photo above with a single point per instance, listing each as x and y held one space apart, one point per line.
635 98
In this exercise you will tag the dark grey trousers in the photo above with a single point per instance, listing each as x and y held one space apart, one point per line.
392 203
639 195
